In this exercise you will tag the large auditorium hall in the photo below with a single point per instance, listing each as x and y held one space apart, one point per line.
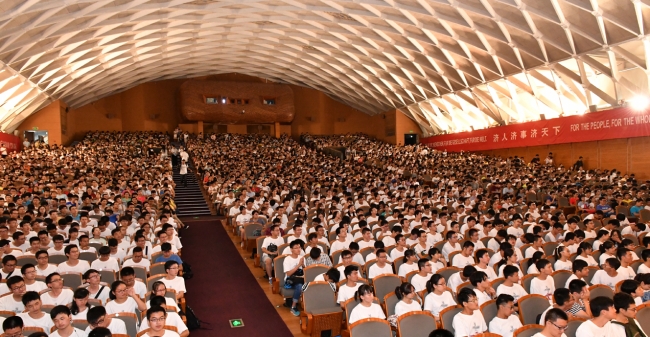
325 168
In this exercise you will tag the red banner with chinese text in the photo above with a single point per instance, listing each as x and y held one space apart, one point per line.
611 124
10 141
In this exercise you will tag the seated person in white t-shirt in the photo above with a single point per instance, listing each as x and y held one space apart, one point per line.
511 284
470 321
332 276
29 274
382 266
57 294
173 319
609 276
465 258
58 248
97 318
367 308
157 318
505 323
555 324
13 302
419 280
562 300
347 290
482 287
460 277
625 322
9 263
105 261
633 288
603 310
407 303
33 315
73 265
62 318
172 280
127 274
543 284
137 259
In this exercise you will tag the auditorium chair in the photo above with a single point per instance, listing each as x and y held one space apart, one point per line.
416 324
489 310
314 270
374 327
573 325
25 259
447 272
531 306
560 277
130 320
321 312
88 256
528 330
385 284
526 280
447 317
600 290
157 268
110 276
57 259
464 285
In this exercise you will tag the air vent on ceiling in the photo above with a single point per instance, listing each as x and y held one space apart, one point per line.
342 16
308 48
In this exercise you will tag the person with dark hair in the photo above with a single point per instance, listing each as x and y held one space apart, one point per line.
382 266
555 324
14 302
535 247
439 297
543 284
172 280
172 319
409 264
97 318
9 263
58 295
451 245
460 277
465 257
73 264
293 267
625 322
469 321
580 294
482 287
584 253
441 333
157 319
511 284
347 290
609 276
624 255
419 280
33 315
366 308
406 294
105 261
13 326
62 318
505 323
562 300
29 273
603 311
580 271
633 288
483 258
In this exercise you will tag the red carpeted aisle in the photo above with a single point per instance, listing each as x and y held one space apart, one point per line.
223 287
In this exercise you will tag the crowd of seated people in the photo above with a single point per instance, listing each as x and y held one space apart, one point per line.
89 239
456 229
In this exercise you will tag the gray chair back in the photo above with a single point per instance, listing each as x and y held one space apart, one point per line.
489 310
314 270
56 259
572 326
530 306
528 330
390 301
371 327
72 280
131 322
447 317
320 297
385 284
23 260
88 256
280 276
416 324
560 277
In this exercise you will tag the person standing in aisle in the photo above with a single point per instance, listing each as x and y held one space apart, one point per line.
183 173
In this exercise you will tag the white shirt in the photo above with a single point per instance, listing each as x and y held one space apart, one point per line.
543 287
562 265
75 333
420 282
129 305
402 307
516 291
448 249
505 327
589 329
172 319
601 277
64 298
346 292
591 262
375 270
110 264
436 303
44 322
37 286
571 278
80 268
361 312
489 271
469 325
406 268
461 261
144 263
178 283
7 303
116 326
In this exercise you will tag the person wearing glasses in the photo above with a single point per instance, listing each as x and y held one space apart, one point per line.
625 322
439 297
469 321
33 315
97 291
13 327
62 318
603 310
172 319
555 324
29 273
57 294
172 280
159 289
124 299
505 323
97 318
14 302
157 316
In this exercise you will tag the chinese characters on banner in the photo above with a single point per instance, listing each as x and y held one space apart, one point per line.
11 142
611 124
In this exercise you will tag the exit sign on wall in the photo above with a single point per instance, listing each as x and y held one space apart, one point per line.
236 323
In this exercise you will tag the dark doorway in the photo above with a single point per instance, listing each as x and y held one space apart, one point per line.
410 139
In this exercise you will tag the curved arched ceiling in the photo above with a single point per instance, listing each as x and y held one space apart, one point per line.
448 64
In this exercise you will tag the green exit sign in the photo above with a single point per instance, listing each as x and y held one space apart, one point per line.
236 323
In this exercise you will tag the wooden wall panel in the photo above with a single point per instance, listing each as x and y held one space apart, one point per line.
589 153
639 160
613 154
562 154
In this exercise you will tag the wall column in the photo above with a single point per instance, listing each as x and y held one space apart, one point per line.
200 127
276 127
